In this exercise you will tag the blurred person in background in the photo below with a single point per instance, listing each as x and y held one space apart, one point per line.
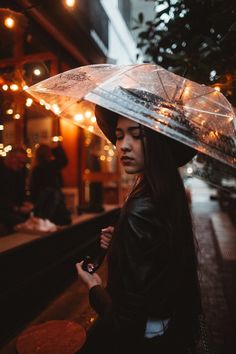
14 206
46 183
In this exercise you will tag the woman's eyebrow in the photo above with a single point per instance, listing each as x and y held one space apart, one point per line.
129 128
134 127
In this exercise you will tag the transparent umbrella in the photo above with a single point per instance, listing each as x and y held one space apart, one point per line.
216 173
194 114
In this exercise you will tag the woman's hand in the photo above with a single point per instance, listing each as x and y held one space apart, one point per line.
106 236
90 280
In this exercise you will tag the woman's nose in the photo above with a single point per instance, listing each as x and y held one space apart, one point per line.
126 144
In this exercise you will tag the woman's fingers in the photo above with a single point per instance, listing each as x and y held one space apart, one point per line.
106 235
108 229
105 240
88 279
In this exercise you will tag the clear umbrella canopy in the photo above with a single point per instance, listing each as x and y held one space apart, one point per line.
216 173
194 114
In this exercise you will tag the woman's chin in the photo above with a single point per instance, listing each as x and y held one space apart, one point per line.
131 171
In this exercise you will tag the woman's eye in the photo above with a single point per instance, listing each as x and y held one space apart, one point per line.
136 136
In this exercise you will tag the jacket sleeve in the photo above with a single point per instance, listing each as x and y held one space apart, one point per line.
139 245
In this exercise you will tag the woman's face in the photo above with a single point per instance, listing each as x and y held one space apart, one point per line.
129 145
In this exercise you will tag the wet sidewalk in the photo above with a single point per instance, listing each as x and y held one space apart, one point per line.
216 234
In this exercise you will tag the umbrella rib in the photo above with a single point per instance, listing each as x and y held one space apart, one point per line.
208 112
204 94
179 87
218 103
163 85
184 87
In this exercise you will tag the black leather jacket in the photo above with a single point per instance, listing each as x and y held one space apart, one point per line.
141 277
145 276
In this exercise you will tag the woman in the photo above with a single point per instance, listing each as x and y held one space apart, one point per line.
152 300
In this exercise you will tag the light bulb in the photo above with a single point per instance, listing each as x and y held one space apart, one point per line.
5 87
70 3
9 22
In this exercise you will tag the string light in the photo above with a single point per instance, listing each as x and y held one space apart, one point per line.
56 109
88 114
5 87
9 22
14 87
9 111
29 152
93 119
1 127
29 102
57 138
17 116
8 148
37 72
25 87
111 152
79 117
217 88
70 3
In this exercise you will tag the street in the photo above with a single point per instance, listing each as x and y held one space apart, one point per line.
216 277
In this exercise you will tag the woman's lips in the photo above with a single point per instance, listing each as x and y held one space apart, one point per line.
127 160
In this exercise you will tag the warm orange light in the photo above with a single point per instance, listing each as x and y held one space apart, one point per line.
111 152
29 102
29 151
217 88
9 22
14 87
9 111
91 128
57 138
79 117
5 87
37 72
70 3
56 109
8 148
17 116
88 114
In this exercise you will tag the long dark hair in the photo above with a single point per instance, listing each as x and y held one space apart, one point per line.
162 182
